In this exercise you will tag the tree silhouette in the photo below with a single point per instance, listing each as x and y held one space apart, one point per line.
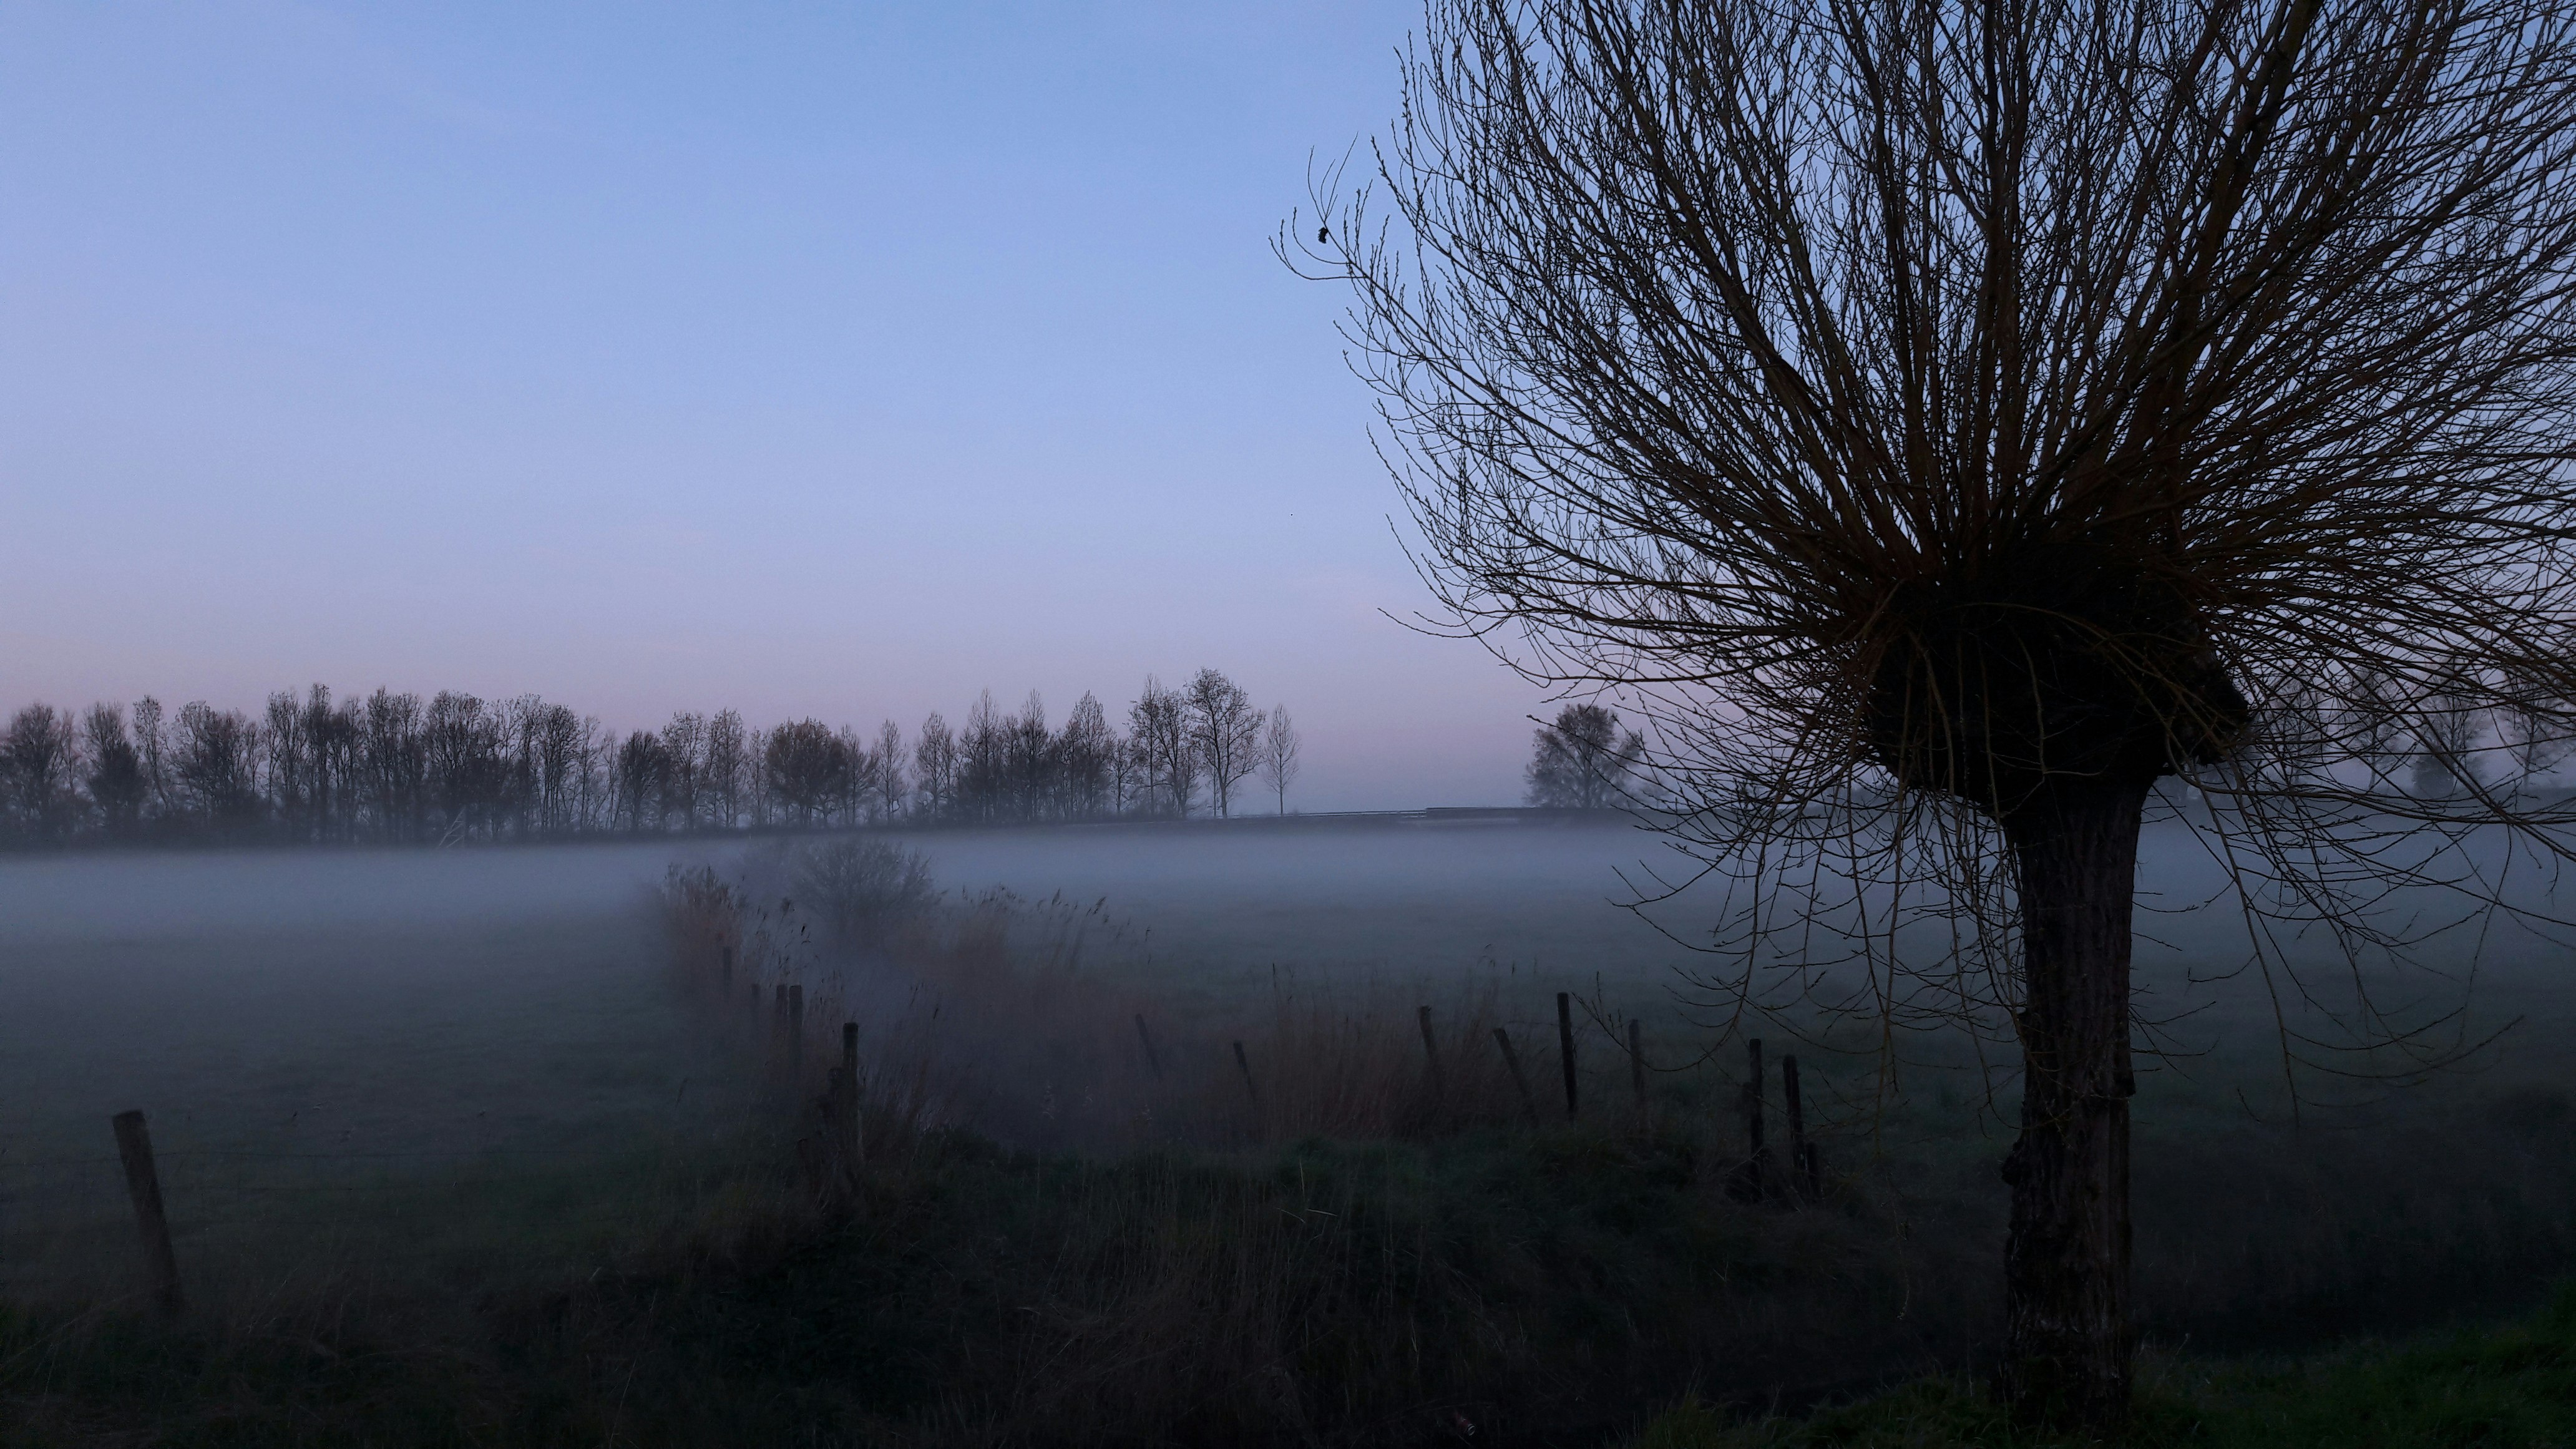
1941 423
1225 734
806 769
39 761
116 784
1581 761
1279 764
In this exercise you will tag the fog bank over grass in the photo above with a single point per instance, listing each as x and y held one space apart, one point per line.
130 968
1218 909
518 998
1215 910
458 1034
55 898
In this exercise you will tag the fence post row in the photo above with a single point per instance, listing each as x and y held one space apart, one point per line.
143 1184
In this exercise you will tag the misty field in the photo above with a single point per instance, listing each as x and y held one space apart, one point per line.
434 1096
293 1022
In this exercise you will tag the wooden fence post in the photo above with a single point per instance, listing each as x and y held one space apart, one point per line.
1637 1064
1748 1182
727 979
1153 1059
1431 1056
143 1184
1511 1059
1802 1153
1565 1045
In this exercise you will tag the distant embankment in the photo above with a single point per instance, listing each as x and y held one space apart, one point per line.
1438 817
1461 816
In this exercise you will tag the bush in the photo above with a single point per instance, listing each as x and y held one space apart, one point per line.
864 891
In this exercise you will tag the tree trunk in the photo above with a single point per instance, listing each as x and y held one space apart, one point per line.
2066 1260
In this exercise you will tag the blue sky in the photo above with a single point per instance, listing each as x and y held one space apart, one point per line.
836 360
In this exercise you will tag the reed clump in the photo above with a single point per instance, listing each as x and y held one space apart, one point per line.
1005 1004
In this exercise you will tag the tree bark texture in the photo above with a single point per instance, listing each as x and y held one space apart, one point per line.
2066 1260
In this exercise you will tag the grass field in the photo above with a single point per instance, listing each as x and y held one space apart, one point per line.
2501 1384
457 1152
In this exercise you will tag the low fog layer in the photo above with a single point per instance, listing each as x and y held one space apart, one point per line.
1211 912
1216 910
135 895
396 1002
469 999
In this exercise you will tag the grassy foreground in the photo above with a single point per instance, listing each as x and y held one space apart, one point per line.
2511 1386
1522 1287
1316 1242
1549 1287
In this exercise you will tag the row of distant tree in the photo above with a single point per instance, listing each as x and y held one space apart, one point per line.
394 767
1584 760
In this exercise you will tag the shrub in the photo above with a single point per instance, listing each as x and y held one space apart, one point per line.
862 890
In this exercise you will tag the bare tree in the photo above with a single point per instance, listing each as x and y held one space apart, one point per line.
1960 419
857 783
643 775
468 778
982 761
1029 761
1278 761
395 764
806 770
684 743
117 788
40 760
2448 733
1225 730
331 742
1087 753
566 745
215 769
291 792
1581 761
1127 775
1166 754
150 745
2538 735
724 763
892 781
934 767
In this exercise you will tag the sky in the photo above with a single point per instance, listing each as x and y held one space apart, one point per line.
833 360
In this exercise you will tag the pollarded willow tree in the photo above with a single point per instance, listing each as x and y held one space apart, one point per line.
1965 416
